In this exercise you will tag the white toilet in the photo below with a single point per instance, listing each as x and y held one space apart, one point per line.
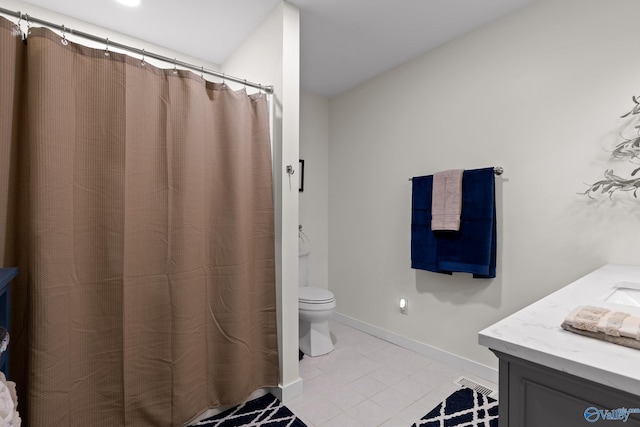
315 308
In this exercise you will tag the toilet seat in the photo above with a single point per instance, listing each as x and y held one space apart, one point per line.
311 295
315 299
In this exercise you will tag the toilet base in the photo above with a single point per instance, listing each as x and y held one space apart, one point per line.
315 338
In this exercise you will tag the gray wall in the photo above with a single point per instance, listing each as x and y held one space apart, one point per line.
540 93
314 200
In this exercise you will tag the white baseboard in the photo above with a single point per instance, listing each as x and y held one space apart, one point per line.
284 393
475 368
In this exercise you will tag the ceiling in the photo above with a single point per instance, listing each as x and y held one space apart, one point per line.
343 42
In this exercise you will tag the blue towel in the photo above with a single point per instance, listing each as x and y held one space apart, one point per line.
472 249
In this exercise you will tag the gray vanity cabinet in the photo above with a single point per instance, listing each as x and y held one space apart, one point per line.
532 395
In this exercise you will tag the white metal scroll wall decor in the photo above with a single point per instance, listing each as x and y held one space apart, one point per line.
627 149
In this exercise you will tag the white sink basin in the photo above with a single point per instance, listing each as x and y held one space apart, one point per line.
625 293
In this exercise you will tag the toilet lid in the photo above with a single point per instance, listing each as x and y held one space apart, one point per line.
311 295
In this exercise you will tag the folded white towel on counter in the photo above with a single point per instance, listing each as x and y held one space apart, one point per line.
586 317
611 323
446 200
608 325
630 327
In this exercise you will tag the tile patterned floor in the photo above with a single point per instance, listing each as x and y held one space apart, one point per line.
370 382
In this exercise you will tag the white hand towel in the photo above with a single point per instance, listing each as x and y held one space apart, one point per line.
630 327
446 200
586 317
611 323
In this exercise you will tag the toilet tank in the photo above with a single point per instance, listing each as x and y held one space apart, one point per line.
303 268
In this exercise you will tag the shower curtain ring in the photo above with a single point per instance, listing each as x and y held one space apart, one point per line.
143 55
175 67
202 72
64 36
18 29
106 50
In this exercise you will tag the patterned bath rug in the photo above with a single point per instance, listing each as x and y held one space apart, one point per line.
463 408
263 411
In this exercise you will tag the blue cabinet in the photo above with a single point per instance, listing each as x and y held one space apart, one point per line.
6 276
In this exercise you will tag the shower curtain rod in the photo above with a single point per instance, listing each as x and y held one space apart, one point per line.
108 43
498 170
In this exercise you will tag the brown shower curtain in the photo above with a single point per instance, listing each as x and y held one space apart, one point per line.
143 204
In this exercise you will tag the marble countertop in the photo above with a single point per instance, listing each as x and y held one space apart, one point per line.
534 333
